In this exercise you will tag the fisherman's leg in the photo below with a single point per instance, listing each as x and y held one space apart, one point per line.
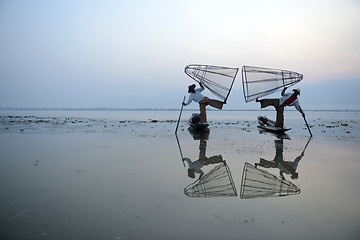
215 103
279 117
203 118
269 102
202 148
215 159
267 164
279 146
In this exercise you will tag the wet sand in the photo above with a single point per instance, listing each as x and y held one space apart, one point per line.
78 176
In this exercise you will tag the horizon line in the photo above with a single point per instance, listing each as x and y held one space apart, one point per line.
147 109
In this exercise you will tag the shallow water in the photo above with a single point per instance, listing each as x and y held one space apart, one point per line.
120 175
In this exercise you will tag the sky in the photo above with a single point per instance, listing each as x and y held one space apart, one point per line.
132 54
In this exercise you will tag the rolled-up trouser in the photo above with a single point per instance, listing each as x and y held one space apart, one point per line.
207 101
279 110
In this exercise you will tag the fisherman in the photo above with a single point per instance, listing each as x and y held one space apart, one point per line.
195 95
286 99
195 167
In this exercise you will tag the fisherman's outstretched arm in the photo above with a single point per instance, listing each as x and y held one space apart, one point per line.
188 101
201 86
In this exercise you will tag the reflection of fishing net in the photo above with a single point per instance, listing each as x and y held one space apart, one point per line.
258 183
216 183
259 82
219 80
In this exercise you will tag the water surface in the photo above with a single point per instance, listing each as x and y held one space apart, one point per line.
121 175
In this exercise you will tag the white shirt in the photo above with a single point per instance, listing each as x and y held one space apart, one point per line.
197 96
293 165
295 103
197 165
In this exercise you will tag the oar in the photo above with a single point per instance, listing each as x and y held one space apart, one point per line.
182 106
307 125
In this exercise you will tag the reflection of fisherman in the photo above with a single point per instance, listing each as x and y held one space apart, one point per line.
195 95
286 167
290 167
287 99
195 167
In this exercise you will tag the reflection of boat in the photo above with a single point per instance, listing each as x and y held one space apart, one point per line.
198 130
199 135
269 125
216 183
258 183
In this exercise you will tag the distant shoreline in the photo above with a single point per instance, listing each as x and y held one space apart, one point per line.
160 109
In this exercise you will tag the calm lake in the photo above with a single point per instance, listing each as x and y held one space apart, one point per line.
125 175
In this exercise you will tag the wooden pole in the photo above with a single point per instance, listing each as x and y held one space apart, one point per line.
181 154
177 125
307 125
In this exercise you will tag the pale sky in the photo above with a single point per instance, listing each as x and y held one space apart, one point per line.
133 53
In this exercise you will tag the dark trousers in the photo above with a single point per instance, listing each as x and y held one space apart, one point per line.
207 101
279 110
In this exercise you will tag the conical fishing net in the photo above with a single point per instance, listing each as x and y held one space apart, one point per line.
216 183
259 82
219 80
258 183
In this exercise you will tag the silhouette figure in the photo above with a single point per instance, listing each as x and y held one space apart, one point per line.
203 160
285 167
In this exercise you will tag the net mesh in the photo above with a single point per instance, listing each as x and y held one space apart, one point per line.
218 80
216 183
258 183
259 82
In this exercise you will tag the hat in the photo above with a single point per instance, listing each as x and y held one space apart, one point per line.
191 88
297 89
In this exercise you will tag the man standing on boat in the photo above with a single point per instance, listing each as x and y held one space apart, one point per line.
195 95
287 99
